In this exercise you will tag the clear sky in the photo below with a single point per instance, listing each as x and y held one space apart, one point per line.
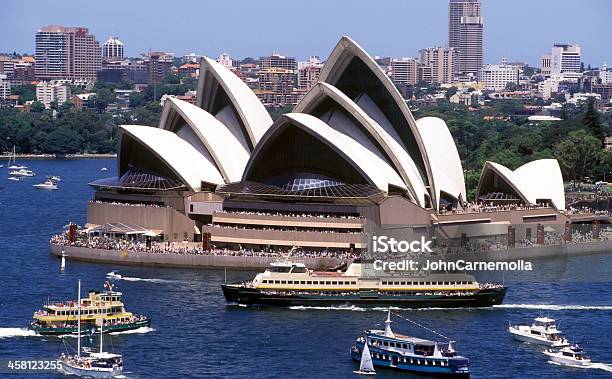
521 30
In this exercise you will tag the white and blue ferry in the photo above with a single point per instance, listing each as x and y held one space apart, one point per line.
400 352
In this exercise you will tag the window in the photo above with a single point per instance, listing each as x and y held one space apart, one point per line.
309 282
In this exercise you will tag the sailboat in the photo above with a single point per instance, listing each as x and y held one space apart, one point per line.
366 367
14 166
94 365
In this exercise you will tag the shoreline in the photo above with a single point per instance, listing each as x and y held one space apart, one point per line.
53 156
193 261
248 263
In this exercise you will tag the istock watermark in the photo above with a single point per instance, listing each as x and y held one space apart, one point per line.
445 266
385 244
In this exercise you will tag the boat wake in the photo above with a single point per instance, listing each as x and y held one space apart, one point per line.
17 332
544 307
600 366
141 330
330 308
115 276
553 307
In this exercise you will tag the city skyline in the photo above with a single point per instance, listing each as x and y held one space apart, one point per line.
388 35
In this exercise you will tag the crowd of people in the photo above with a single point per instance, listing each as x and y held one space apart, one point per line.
286 228
151 205
290 214
490 207
104 243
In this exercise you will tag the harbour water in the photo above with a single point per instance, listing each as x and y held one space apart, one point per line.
195 334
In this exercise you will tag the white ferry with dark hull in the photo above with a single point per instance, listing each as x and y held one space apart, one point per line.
292 284
391 350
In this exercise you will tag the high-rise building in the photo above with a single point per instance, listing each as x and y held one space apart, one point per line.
442 61
465 26
563 60
159 65
67 53
18 71
112 49
225 60
497 76
49 92
308 72
5 87
278 61
605 75
404 71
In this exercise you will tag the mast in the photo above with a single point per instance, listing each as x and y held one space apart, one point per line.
388 331
101 327
79 322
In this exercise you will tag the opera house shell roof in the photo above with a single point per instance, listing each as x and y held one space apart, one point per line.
533 183
351 136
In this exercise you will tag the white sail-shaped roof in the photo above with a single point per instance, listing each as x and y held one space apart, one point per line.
533 182
179 156
443 158
397 116
353 149
227 97
386 138
227 150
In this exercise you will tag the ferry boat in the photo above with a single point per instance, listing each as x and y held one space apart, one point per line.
292 284
543 331
60 318
405 353
569 355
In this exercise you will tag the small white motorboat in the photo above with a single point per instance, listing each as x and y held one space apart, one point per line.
543 331
48 185
54 178
22 172
103 169
114 275
13 178
569 355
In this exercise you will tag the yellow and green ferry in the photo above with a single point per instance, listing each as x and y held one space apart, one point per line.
60 318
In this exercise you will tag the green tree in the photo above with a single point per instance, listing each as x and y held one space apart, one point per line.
38 107
137 99
591 119
25 92
62 140
577 153
450 92
103 98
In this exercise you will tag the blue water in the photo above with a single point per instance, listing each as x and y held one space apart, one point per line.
196 335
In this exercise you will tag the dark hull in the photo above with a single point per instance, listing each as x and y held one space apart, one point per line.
45 331
424 370
251 296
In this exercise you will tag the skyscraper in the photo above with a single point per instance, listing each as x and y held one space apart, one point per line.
67 53
465 25
112 49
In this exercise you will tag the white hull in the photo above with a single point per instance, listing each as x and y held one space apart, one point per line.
523 337
92 372
553 357
43 186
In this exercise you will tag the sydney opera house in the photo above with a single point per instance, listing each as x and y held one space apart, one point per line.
351 153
